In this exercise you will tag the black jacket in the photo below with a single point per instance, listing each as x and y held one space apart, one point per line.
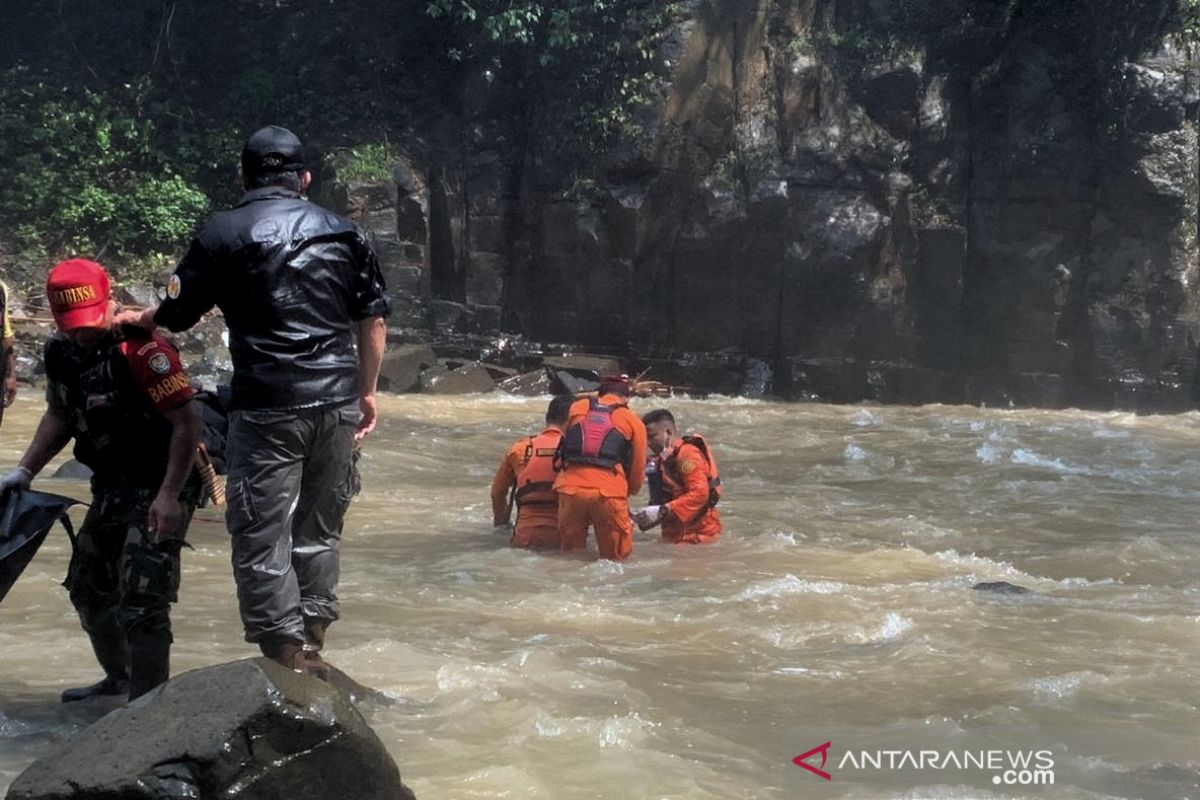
291 279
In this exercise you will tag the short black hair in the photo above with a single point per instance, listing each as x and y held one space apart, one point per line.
559 409
658 415
260 180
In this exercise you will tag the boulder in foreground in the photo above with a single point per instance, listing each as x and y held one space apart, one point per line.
246 729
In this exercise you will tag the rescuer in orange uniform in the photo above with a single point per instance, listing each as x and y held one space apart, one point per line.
525 478
603 460
684 484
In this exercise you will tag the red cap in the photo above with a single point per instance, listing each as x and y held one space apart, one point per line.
78 291
614 384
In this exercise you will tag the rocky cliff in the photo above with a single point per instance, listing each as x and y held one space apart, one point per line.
897 200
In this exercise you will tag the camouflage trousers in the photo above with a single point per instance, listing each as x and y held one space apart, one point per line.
121 581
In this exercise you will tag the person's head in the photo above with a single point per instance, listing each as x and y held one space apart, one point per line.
274 156
614 384
660 429
558 410
81 300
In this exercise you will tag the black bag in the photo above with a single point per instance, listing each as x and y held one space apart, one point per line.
25 519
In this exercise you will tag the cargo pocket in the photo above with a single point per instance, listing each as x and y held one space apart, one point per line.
240 502
350 485
152 574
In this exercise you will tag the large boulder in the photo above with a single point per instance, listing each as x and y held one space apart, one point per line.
402 367
467 379
583 365
242 730
528 384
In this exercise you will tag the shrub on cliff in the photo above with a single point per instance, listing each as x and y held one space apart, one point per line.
85 174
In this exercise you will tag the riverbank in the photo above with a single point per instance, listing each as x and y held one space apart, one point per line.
442 347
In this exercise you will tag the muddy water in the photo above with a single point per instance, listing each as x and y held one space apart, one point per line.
839 608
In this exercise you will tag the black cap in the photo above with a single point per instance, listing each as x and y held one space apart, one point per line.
272 149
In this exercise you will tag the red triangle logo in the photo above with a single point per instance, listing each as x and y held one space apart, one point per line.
800 761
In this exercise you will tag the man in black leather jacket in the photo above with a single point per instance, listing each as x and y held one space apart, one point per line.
295 283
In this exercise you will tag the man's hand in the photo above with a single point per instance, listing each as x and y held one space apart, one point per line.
166 517
649 516
10 389
369 417
18 478
137 317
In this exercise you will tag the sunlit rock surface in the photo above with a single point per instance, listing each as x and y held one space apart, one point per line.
246 729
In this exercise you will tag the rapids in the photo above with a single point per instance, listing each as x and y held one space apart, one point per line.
838 607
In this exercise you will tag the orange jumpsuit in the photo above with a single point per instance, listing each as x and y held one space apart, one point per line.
599 496
685 474
537 523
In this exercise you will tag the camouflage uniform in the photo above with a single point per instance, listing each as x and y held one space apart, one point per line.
122 582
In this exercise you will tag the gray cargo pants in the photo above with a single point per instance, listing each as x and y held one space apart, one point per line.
291 478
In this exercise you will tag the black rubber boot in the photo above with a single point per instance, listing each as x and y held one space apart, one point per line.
112 651
106 687
314 642
149 662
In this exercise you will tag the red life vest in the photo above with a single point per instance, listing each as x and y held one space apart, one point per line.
535 481
673 482
595 439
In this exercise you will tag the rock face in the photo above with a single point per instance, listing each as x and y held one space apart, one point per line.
845 200
247 729
982 202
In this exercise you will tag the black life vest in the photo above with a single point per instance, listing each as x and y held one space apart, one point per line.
118 432
673 480
535 481
595 440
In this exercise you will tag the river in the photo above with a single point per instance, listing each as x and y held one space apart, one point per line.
837 608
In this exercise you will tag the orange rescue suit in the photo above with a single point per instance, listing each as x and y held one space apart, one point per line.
690 486
598 496
526 475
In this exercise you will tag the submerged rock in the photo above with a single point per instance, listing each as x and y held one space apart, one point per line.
246 729
1000 587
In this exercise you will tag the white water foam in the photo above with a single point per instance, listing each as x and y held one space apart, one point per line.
863 419
894 626
854 453
988 453
788 585
1031 458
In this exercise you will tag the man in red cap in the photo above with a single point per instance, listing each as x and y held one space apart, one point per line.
297 286
603 457
124 398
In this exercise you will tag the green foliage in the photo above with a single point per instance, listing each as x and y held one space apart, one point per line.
121 124
1188 29
368 163
586 69
800 45
738 170
85 175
